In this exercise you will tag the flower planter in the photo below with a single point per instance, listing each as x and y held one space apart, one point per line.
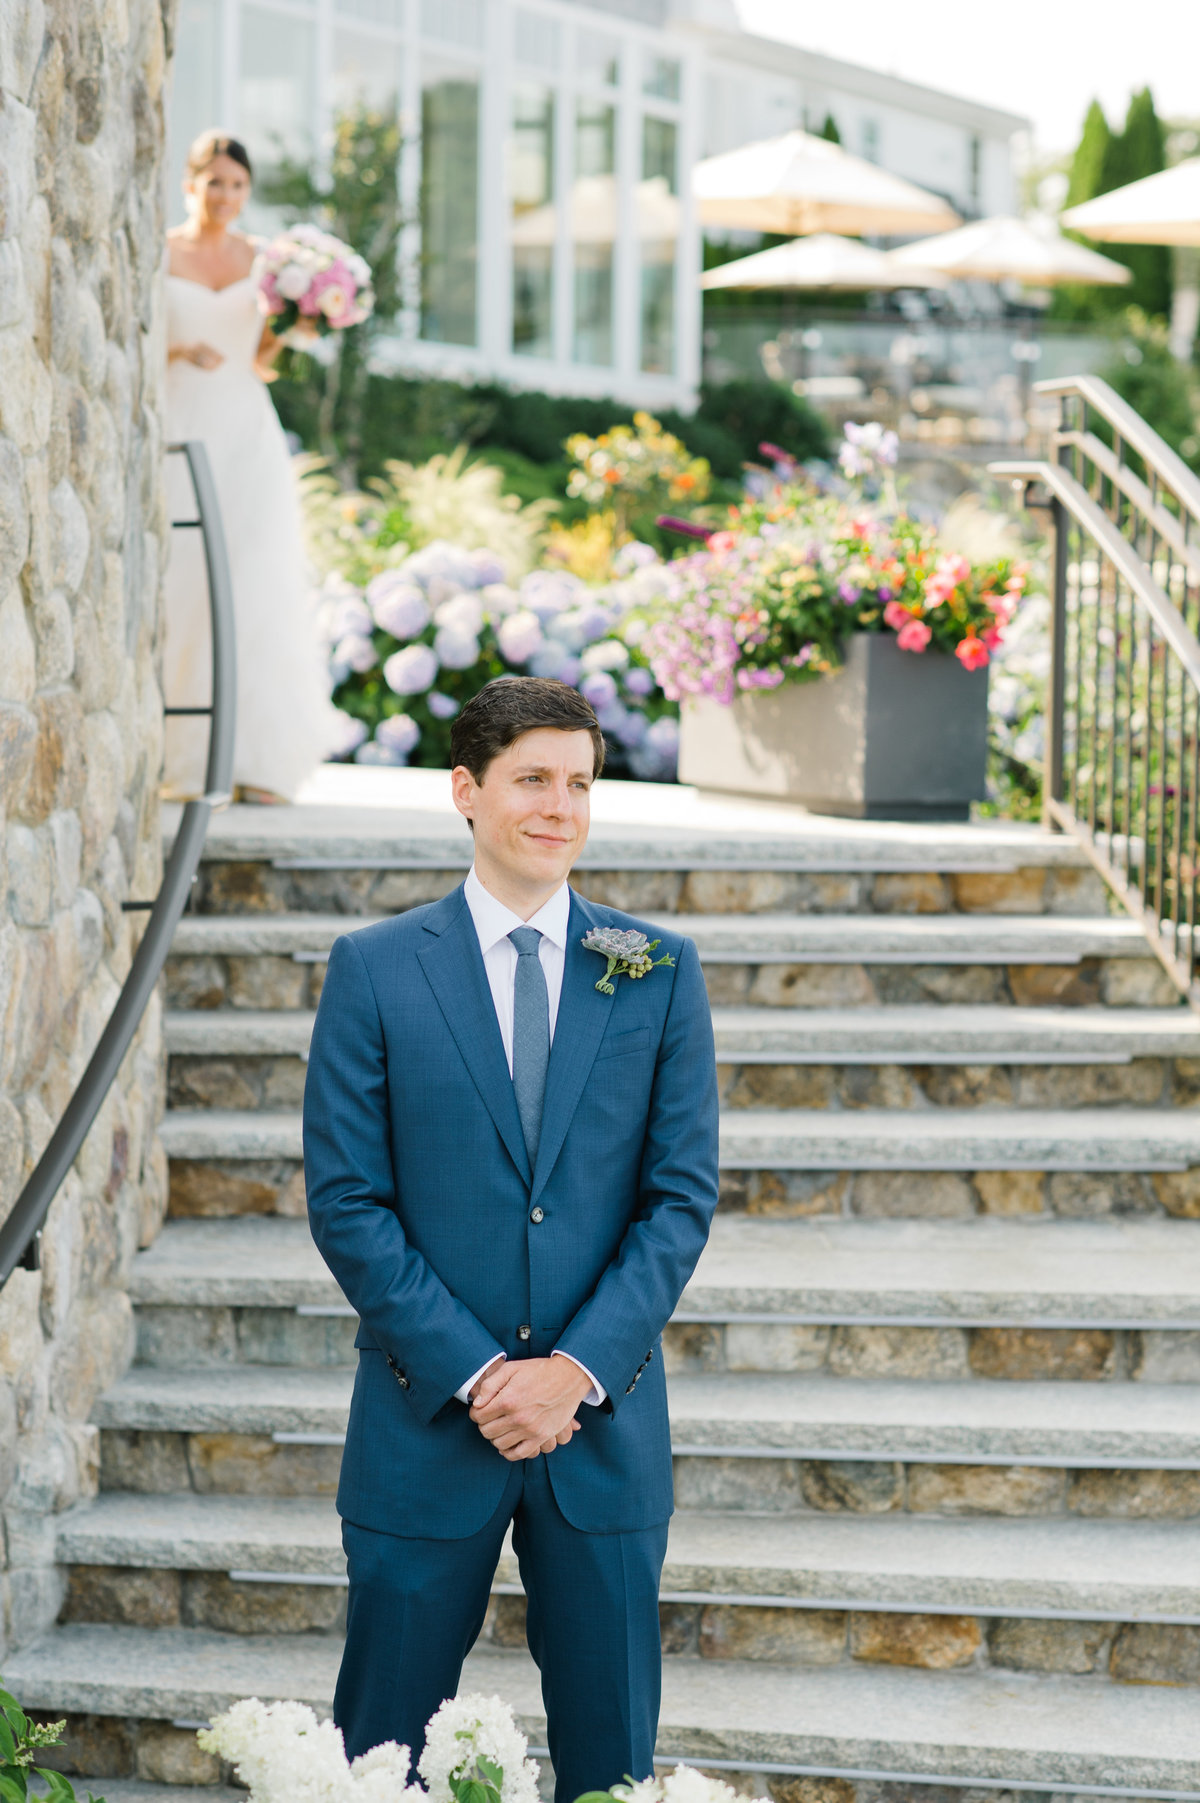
892 735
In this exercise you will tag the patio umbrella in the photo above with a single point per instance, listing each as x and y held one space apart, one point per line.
797 183
1002 250
1159 209
592 213
824 261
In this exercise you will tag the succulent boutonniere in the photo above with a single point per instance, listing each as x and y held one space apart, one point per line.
628 954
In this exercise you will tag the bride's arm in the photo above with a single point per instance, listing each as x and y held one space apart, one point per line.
270 345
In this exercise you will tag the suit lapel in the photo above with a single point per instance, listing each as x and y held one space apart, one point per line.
582 1017
453 966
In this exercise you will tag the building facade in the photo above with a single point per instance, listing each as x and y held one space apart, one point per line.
552 242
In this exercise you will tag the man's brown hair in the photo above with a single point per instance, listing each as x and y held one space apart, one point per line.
512 705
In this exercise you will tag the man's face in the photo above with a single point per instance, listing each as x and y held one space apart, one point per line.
532 810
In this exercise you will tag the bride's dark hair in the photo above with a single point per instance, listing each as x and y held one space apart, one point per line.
211 144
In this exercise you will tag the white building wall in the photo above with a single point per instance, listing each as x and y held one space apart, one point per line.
275 70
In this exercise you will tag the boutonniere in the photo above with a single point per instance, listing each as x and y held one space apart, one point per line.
628 954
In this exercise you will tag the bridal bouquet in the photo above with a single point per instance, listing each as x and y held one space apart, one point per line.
309 274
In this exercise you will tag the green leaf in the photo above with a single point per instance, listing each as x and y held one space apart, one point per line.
473 1790
490 1770
12 1790
595 1796
17 1717
8 1743
61 1791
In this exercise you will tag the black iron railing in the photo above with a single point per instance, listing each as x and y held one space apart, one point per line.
1123 711
20 1233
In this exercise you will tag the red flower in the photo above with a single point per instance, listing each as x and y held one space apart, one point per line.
914 635
972 653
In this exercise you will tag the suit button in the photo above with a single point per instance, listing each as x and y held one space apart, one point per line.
524 1333
536 1215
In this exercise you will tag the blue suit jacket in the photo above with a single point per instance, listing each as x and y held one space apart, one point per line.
421 1196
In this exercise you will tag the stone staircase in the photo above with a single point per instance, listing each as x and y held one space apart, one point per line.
935 1386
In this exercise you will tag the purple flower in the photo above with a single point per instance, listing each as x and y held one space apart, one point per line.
411 671
634 556
399 732
848 593
519 636
442 707
488 568
456 648
343 615
462 613
350 735
632 729
639 681
599 688
356 652
374 753
398 605
551 659
883 593
663 735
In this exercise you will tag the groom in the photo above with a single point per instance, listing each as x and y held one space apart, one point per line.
511 1174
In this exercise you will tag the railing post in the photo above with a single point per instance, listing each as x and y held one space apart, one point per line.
1056 698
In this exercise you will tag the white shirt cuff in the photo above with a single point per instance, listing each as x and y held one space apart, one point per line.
597 1394
464 1392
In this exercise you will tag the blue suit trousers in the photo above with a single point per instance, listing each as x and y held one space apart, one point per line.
417 1605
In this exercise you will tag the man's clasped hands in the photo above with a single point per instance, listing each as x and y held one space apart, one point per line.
527 1406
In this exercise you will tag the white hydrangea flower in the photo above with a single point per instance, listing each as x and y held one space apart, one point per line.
606 654
463 1729
462 612
411 671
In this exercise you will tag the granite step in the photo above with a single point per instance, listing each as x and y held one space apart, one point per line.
931 1139
1121 1274
950 1727
733 938
741 1416
931 1034
634 827
1059 1569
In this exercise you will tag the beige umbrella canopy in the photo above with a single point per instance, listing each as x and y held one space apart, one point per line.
1159 209
826 262
797 183
592 214
1003 250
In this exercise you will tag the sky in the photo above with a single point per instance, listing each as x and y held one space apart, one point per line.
1044 58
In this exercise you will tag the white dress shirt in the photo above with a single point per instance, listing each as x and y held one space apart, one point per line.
493 923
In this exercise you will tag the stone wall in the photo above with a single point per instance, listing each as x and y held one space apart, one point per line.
82 540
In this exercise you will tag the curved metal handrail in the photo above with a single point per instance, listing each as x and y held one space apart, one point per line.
20 1233
1133 431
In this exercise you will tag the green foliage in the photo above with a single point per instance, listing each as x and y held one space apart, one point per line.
20 1741
1161 390
417 418
1104 160
479 1781
357 197
829 130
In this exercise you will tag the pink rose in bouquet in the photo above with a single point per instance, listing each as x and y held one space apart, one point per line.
309 274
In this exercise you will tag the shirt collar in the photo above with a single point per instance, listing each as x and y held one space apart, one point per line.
494 922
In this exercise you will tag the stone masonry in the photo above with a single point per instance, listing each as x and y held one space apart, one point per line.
82 542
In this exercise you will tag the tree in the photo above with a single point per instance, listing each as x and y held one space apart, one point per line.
829 131
1140 150
1104 160
356 195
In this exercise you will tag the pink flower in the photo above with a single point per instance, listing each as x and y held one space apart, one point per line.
270 301
722 541
895 614
1003 606
972 653
914 635
992 637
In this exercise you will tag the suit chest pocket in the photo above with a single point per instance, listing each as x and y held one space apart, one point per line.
636 1040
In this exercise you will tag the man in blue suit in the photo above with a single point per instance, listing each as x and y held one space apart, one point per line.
511 1172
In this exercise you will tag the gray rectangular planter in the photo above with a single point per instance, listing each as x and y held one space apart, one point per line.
893 735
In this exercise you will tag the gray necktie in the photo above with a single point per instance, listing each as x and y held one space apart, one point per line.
531 1035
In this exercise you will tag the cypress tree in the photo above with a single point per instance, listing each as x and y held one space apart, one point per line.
829 130
1138 151
1091 154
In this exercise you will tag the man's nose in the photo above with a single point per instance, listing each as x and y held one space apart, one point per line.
557 799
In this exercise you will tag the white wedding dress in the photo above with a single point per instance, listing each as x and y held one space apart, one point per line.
286 724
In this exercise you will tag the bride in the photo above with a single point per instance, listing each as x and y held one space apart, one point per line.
220 354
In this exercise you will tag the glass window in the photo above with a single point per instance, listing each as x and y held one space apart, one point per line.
276 84
593 228
598 57
196 93
373 12
660 76
537 41
366 71
869 138
454 22
449 206
531 185
658 230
